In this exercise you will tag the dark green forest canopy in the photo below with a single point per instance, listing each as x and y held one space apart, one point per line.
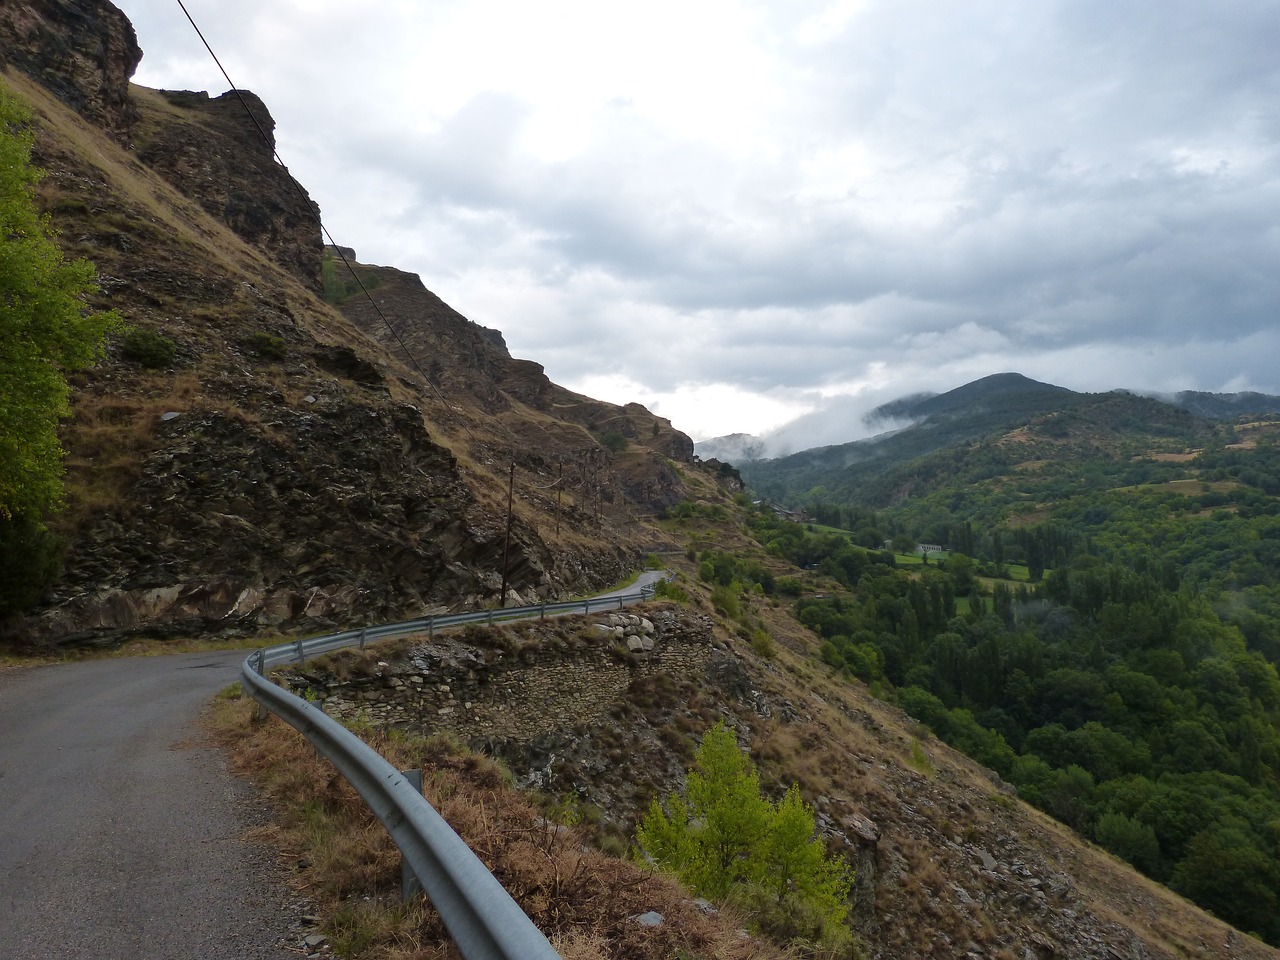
1128 683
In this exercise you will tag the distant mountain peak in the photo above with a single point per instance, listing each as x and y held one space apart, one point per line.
918 406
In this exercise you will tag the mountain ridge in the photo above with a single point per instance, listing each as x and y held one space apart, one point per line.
914 410
334 482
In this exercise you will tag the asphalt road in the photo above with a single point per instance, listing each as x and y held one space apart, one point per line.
648 578
120 828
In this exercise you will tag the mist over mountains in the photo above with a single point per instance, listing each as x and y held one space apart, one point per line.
983 399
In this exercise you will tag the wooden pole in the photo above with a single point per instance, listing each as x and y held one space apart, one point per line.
506 542
559 494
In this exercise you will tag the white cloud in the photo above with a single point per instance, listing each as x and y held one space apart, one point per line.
705 409
736 207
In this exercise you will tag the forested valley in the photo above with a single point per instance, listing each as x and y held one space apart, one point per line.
1102 631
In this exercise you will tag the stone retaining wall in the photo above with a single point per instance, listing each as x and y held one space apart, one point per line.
448 684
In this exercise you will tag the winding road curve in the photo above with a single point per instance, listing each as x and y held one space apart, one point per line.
121 828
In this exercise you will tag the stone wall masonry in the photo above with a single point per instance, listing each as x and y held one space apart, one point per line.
475 691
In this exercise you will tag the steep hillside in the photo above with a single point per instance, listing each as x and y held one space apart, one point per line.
625 453
263 459
1105 599
975 432
951 863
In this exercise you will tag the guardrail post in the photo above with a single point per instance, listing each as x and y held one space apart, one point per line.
620 604
542 612
362 638
410 885
260 666
431 628
302 654
489 618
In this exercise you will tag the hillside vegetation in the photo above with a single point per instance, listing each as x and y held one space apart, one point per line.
947 856
1130 688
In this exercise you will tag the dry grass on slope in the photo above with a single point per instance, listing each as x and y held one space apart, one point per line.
963 866
343 860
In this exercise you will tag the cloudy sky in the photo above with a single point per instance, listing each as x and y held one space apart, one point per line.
753 213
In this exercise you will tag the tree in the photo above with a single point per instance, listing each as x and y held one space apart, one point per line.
725 840
903 543
45 329
1130 839
960 568
1224 872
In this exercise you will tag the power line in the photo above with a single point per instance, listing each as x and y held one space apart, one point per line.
310 206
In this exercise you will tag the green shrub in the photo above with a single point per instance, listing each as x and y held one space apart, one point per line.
725 600
148 348
614 442
667 590
30 559
919 760
790 587
726 841
763 645
266 346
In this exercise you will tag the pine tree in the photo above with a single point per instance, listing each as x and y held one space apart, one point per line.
726 841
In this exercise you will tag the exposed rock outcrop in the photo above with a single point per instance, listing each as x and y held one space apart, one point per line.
221 152
238 522
489 693
83 51
587 704
462 357
279 471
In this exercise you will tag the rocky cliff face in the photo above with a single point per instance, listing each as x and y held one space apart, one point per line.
234 525
221 152
284 469
550 424
83 51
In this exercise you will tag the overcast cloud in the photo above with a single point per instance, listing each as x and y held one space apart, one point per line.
745 213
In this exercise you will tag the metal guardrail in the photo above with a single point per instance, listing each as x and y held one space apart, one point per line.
480 915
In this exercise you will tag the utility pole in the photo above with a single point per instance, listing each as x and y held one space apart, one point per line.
506 542
559 494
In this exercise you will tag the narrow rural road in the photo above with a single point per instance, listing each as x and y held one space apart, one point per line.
120 828
646 579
